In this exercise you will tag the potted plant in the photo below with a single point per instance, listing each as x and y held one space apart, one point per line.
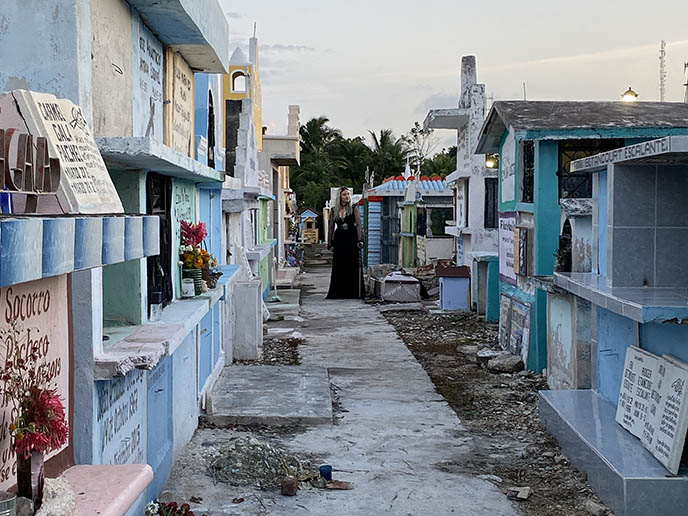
194 259
40 423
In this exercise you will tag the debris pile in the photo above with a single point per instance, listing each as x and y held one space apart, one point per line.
513 450
248 461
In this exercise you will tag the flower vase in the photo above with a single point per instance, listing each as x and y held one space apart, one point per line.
30 477
197 276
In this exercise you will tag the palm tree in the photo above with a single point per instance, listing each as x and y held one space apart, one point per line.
317 134
350 157
389 153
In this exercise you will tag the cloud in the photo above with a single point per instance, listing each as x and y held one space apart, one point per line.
438 101
603 55
279 48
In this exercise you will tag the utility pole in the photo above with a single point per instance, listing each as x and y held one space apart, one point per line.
662 71
685 68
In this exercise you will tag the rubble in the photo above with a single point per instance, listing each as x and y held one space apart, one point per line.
289 486
279 351
248 461
505 364
518 493
499 411
485 355
595 509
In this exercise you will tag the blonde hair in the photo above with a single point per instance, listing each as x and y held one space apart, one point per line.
347 207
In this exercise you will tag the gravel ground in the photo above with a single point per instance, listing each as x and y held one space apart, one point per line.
500 412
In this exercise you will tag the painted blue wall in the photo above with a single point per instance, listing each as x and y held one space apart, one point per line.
205 350
602 229
201 113
374 223
159 432
64 47
614 334
204 86
217 341
185 409
210 212
665 338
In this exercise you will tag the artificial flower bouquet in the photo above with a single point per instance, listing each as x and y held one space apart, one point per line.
39 423
191 253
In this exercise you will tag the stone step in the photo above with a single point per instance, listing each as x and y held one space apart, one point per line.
621 471
270 395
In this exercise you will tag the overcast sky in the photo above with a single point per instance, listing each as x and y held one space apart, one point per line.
376 64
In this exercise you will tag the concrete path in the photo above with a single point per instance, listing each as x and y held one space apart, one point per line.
270 395
390 440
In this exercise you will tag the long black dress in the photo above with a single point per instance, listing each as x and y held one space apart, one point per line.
346 281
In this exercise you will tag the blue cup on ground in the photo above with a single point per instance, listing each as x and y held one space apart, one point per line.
326 472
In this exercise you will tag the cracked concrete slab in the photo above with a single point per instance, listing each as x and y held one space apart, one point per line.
271 395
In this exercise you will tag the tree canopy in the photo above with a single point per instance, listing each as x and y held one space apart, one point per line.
328 159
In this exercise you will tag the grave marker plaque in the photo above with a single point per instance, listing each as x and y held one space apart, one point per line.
665 433
653 406
635 395
33 319
85 185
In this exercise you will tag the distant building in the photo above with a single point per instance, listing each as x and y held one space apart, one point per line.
381 218
308 226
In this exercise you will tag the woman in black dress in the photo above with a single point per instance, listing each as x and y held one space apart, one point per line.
346 241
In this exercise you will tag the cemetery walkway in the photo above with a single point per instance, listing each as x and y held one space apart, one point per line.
390 434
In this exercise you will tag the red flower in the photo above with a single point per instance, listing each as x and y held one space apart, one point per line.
40 423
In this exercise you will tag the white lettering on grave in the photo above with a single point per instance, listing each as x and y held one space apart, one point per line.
519 333
148 53
119 417
665 431
505 304
652 404
182 107
636 390
507 166
86 186
507 222
639 150
33 319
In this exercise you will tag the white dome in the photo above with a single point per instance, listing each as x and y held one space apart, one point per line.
238 57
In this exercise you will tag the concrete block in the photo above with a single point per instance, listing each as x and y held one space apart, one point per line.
455 293
88 242
113 240
248 322
133 238
21 250
107 489
58 246
151 235
621 471
272 395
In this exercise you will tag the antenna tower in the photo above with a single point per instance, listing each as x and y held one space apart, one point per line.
662 71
